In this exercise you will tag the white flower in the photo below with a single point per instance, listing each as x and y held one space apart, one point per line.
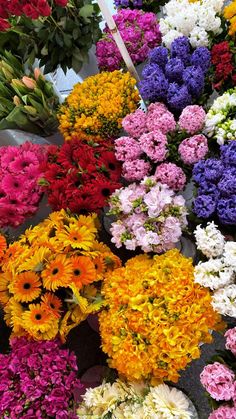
230 254
224 301
213 274
209 240
199 37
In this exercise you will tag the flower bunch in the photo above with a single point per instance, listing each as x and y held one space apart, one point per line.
128 400
20 168
177 79
199 21
147 5
80 176
149 215
95 108
219 380
230 16
219 272
156 141
156 317
216 180
222 59
220 121
38 379
47 280
140 32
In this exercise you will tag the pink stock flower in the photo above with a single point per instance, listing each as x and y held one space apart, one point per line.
192 119
193 149
218 380
126 148
135 169
230 336
135 123
223 412
154 145
171 175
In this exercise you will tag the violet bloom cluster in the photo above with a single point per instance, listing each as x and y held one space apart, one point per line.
37 380
149 215
152 135
216 180
178 78
140 32
20 170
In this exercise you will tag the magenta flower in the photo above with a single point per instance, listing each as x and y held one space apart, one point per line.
218 380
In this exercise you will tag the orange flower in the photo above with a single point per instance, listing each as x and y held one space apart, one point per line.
58 273
3 245
84 271
51 303
26 287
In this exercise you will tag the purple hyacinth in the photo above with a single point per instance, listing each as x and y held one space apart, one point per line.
228 154
178 97
154 88
205 206
174 70
227 184
122 3
180 48
226 210
213 170
207 188
150 70
199 171
194 79
201 57
159 55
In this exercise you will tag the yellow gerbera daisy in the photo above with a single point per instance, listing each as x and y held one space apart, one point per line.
84 270
37 319
88 221
5 280
77 237
52 303
58 273
26 287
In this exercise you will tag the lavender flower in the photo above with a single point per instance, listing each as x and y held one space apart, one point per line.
228 154
213 169
227 184
151 70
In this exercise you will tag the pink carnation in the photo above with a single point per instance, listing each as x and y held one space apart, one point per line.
159 118
231 340
218 380
223 412
171 175
126 148
192 119
135 123
135 169
193 149
154 144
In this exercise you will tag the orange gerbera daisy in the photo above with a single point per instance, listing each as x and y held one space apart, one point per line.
58 273
37 319
5 281
99 264
84 270
3 245
52 303
26 287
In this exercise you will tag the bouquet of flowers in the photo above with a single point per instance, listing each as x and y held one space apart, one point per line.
129 400
47 280
140 32
199 20
27 102
147 5
220 121
218 379
149 215
41 28
218 272
230 16
156 317
222 59
216 180
156 141
38 379
80 176
20 169
95 108
176 79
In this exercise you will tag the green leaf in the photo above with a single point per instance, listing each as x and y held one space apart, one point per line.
76 64
86 12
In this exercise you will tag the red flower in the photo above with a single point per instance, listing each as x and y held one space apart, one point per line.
223 70
4 25
109 165
234 79
43 8
61 3
30 11
218 50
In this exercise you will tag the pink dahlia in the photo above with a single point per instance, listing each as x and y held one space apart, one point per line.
134 170
159 118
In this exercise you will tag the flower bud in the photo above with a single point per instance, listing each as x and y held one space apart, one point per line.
28 82
16 100
37 73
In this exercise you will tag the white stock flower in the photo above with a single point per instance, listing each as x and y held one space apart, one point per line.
230 254
224 301
213 274
209 240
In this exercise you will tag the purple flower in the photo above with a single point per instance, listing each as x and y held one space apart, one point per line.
194 80
151 70
228 154
180 48
213 169
155 88
199 172
174 70
226 210
227 184
201 57
207 188
178 97
159 55
204 206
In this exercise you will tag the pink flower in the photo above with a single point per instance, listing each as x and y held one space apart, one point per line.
135 123
193 149
158 197
223 412
171 175
23 162
218 380
171 232
159 118
135 169
154 145
192 119
126 148
231 340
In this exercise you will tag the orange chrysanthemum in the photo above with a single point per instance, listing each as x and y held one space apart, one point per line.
52 303
84 271
58 273
26 287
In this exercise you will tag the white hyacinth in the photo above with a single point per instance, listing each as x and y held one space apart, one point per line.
230 254
224 301
213 274
209 240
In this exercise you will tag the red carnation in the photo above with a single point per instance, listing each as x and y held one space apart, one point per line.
4 25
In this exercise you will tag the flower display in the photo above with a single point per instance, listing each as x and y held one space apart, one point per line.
48 275
20 168
230 15
149 215
218 379
79 176
38 379
127 400
216 186
178 79
156 143
140 32
156 317
95 108
147 5
220 121
198 20
222 59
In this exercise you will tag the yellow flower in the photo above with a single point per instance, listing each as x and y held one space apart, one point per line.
78 237
52 303
38 320
26 287
5 280
230 10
